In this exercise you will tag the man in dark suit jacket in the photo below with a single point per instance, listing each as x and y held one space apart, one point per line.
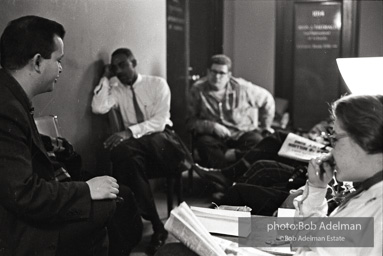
42 212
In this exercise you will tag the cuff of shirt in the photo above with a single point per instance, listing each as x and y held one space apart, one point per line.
315 194
136 131
313 200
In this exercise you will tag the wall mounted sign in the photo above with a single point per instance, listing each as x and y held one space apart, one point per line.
317 36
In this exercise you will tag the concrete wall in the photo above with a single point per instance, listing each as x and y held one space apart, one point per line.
371 29
249 39
94 29
249 36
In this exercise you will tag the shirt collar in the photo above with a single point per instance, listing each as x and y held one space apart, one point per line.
229 88
138 80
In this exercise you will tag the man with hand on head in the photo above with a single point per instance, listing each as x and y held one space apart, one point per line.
147 147
228 115
42 212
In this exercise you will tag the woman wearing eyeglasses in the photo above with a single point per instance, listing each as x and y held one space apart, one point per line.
358 153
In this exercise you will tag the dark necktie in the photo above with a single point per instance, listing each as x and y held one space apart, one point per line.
139 114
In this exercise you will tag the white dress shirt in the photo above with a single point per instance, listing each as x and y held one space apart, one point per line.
153 97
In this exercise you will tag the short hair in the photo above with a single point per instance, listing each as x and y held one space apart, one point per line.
220 59
126 52
361 116
26 36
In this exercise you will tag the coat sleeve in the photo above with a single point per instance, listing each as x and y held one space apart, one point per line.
264 101
27 186
194 122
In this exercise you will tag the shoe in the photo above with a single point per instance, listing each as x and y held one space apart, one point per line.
211 174
231 155
217 197
157 240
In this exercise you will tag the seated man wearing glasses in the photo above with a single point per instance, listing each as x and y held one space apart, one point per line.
227 115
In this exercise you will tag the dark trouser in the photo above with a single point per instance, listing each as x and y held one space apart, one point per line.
266 149
211 149
125 228
137 160
263 187
88 237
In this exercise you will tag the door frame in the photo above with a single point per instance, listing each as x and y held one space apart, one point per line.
284 45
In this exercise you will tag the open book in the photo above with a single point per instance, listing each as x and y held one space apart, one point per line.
301 149
186 227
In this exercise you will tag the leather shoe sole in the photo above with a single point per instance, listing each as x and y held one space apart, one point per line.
158 239
214 175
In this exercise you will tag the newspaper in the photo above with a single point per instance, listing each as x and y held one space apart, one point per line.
186 227
301 149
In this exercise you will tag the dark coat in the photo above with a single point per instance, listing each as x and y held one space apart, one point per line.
33 206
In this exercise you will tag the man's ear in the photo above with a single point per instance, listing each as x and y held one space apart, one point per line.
36 62
134 62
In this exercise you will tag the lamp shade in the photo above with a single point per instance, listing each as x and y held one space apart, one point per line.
362 75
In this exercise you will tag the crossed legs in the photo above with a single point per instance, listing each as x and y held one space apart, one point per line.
135 161
212 149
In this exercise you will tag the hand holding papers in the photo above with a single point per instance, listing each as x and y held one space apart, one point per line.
302 149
